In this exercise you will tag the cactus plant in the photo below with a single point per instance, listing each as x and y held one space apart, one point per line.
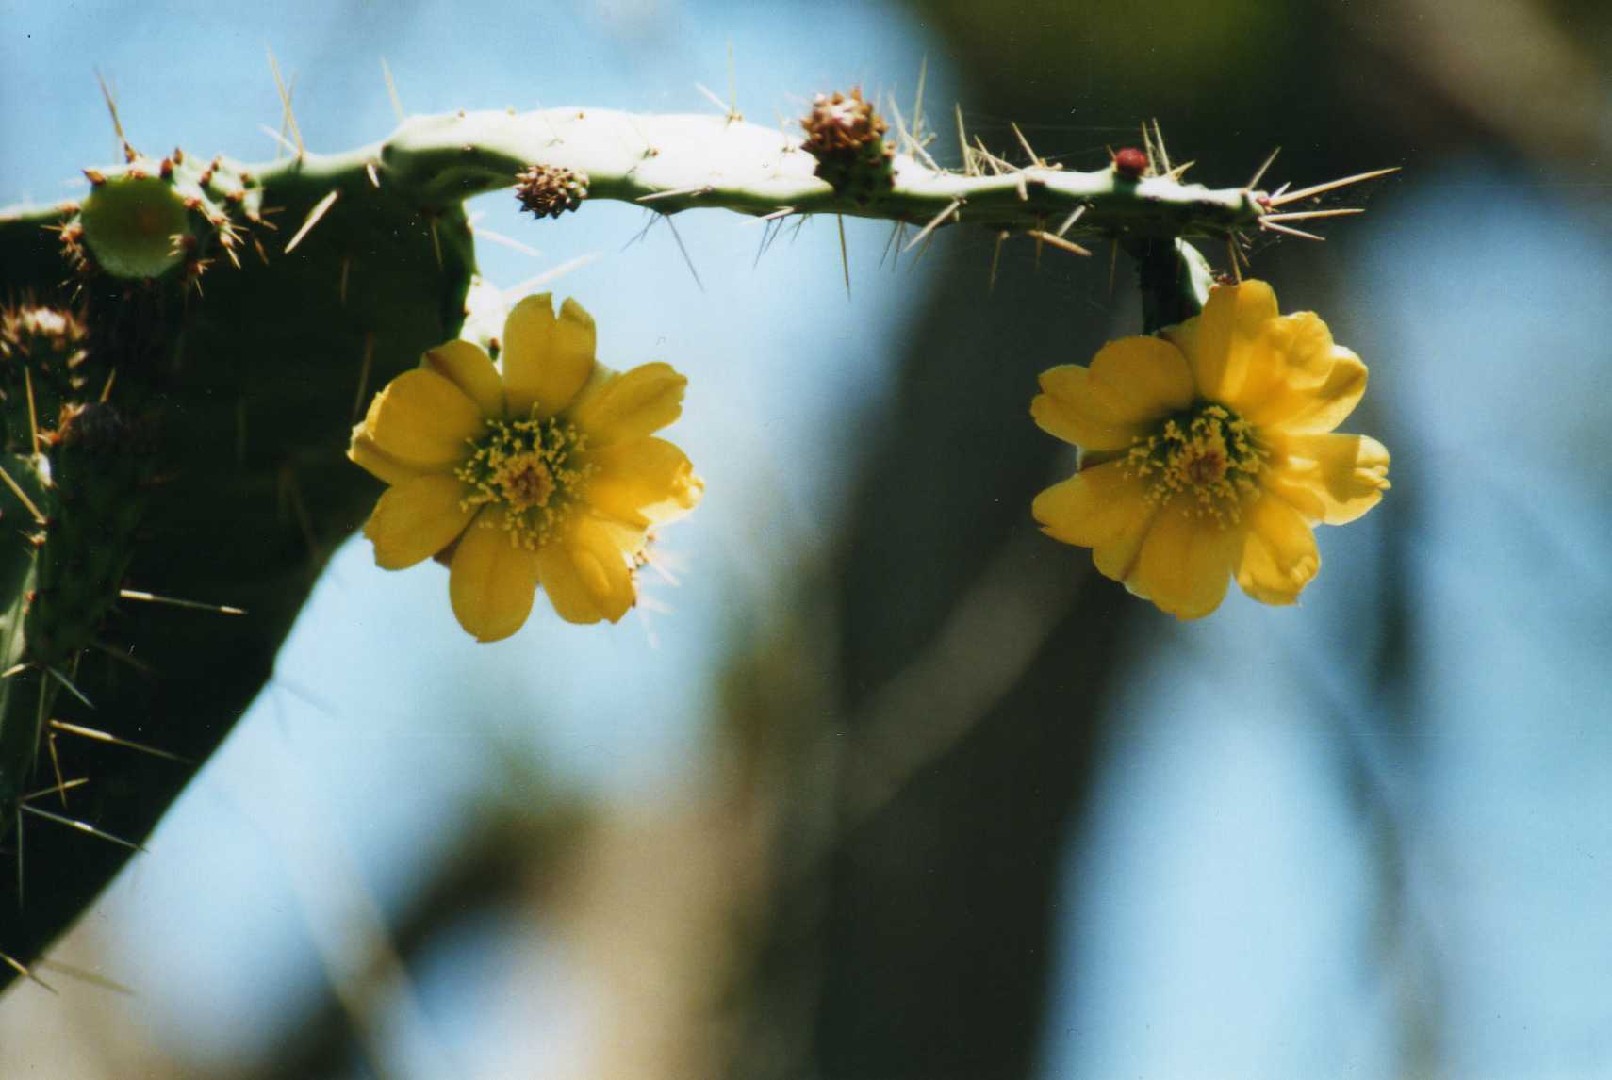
186 349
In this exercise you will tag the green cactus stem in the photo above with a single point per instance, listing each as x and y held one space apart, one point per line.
1174 278
676 162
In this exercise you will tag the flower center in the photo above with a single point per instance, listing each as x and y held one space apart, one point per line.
1208 454
526 482
527 468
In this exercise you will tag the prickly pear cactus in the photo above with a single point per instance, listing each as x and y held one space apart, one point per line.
185 350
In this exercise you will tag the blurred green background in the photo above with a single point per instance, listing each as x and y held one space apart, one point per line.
888 785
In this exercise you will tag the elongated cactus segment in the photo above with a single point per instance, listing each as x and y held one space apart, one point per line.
673 163
678 162
667 163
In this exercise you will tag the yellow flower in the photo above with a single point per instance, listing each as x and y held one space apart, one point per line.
546 473
1207 453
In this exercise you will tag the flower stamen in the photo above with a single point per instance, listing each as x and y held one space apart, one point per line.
529 469
1208 454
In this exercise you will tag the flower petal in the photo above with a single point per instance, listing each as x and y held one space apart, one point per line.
1186 562
467 366
421 421
1279 555
1330 478
587 574
1092 506
1143 378
491 581
363 452
1220 343
1318 409
1100 508
546 360
1299 380
416 519
1072 408
642 482
1115 558
1303 347
630 405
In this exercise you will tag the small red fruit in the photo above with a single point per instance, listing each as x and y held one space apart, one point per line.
1130 163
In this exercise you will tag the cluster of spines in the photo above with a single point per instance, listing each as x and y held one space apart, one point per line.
42 362
550 190
845 133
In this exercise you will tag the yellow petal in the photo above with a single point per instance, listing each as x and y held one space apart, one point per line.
1077 385
1298 378
416 519
546 360
1116 557
464 364
1292 353
1317 409
1330 478
363 452
1302 346
1279 555
1143 378
587 575
1102 509
1220 343
421 421
1075 410
629 541
630 405
491 581
1091 507
642 482
1186 562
